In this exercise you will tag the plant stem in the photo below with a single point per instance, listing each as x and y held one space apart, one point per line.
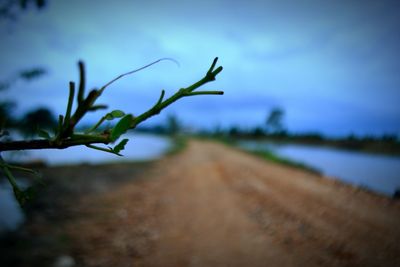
66 136
45 144
7 172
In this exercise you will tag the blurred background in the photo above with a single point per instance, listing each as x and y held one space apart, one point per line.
295 73
311 84
309 72
331 66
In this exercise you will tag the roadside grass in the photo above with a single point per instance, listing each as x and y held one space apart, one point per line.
270 156
265 154
179 143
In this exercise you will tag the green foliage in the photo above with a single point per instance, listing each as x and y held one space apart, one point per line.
21 195
114 114
121 128
26 195
178 144
120 146
268 155
65 134
44 134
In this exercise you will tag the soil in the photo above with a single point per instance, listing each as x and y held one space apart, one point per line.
209 205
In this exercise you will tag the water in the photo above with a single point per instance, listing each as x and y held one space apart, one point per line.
11 215
139 147
379 173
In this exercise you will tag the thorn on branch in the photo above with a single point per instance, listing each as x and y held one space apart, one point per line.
97 107
212 65
211 73
69 105
205 93
161 97
81 91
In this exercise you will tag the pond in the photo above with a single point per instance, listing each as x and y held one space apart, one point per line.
379 173
11 215
140 147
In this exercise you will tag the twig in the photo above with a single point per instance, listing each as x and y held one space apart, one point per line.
65 136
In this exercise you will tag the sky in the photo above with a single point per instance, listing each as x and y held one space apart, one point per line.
332 66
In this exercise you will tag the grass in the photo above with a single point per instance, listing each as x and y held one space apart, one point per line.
265 154
268 155
179 143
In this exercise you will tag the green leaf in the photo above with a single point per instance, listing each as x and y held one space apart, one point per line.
44 134
114 114
120 146
26 195
122 126
108 150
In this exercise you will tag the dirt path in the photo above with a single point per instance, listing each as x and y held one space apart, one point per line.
215 206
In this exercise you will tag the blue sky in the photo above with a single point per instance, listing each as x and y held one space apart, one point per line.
333 66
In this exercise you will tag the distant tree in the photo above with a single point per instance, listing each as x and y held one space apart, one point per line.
274 121
6 119
258 132
352 137
174 126
10 8
6 106
390 138
41 118
234 131
216 131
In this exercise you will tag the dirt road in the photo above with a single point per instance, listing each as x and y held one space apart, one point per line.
211 205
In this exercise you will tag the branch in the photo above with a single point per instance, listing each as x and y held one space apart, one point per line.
48 144
65 136
183 92
136 70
